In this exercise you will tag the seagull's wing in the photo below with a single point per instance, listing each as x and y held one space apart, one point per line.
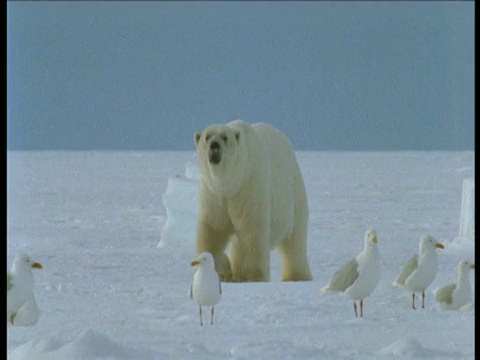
444 294
344 277
9 281
408 268
29 313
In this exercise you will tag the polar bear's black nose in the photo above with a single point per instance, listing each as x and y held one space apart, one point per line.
215 146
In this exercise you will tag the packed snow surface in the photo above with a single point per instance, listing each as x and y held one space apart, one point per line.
115 233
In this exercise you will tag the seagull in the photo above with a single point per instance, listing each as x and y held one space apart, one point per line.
455 296
358 278
206 288
20 297
420 270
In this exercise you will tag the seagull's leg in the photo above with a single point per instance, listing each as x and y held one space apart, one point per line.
361 307
200 312
355 308
12 317
423 299
213 307
413 301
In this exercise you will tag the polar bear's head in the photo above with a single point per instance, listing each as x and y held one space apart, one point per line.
221 155
217 144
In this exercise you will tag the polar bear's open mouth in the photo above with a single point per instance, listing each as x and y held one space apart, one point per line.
215 158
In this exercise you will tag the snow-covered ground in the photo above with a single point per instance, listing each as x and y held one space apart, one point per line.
112 288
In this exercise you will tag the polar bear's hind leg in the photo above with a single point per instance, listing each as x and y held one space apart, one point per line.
294 257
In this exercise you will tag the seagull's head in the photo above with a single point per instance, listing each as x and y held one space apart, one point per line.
465 265
371 237
203 258
24 261
430 243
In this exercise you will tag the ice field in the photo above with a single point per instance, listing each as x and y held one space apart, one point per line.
115 232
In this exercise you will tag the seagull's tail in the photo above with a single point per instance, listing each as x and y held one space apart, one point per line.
328 290
396 284
467 307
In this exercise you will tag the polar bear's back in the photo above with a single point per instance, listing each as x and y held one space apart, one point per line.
272 142
289 202
278 148
273 136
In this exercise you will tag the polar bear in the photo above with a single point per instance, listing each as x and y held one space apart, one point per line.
252 199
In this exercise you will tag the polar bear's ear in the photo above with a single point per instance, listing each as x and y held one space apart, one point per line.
237 135
196 137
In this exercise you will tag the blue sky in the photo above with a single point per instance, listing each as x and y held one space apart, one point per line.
332 76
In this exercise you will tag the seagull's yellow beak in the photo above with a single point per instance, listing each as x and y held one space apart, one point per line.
37 265
440 246
375 240
195 262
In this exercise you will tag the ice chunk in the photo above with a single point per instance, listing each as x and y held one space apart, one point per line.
180 200
466 235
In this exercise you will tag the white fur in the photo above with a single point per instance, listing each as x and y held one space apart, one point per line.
254 200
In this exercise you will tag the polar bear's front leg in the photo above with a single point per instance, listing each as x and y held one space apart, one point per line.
223 268
250 256
215 242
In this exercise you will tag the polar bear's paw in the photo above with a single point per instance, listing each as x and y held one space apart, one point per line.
249 276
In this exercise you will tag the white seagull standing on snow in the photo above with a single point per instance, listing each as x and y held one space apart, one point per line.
420 270
20 297
206 288
455 296
358 278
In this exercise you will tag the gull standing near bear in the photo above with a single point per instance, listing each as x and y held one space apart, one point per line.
358 278
21 302
457 295
420 270
206 288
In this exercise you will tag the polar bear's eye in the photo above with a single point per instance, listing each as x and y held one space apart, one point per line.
207 137
224 138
